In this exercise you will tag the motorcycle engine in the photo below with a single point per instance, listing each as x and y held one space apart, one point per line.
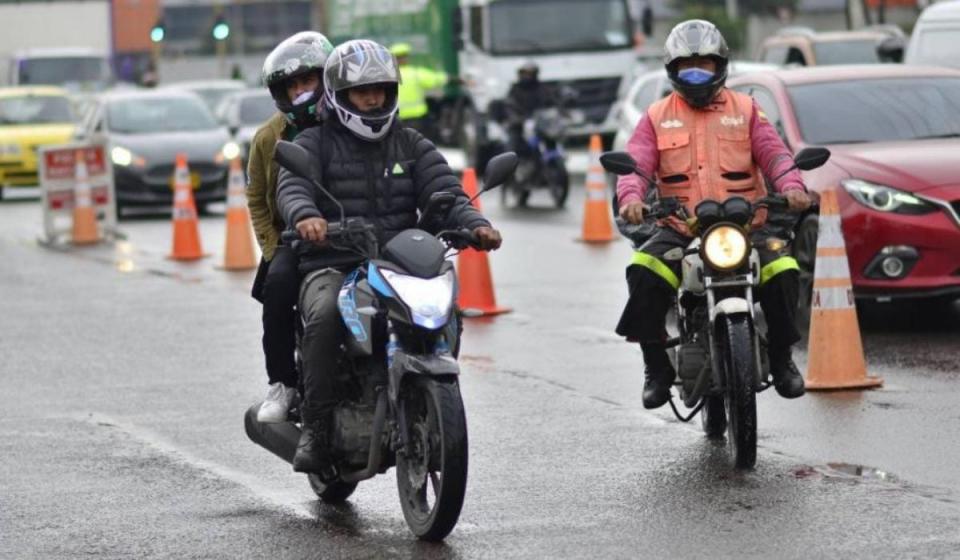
352 428
691 360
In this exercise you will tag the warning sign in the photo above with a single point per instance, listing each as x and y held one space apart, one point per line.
59 182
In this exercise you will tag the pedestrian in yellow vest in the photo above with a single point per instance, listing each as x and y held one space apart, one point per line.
415 83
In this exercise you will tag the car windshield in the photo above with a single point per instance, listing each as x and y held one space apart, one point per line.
877 110
158 114
213 96
937 47
519 27
256 109
34 109
861 51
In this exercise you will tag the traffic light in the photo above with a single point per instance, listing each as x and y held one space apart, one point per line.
158 31
221 29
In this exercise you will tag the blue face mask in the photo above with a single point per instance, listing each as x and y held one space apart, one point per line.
695 76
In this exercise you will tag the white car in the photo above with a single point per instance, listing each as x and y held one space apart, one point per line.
243 112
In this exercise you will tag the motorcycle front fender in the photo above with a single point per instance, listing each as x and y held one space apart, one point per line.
419 364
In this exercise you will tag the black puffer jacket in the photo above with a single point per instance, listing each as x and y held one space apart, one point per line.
386 182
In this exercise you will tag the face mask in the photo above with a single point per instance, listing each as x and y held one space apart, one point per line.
302 98
695 76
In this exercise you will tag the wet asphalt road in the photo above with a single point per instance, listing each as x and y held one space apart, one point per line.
125 377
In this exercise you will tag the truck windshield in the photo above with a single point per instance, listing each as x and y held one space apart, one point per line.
62 70
523 27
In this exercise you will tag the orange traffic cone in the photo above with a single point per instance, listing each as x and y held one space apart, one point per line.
835 357
476 282
186 233
85 230
597 226
238 251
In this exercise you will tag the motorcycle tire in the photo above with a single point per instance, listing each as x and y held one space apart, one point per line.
432 473
805 252
713 418
335 492
559 182
740 376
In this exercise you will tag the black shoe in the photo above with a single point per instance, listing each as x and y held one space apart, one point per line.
313 452
658 376
786 377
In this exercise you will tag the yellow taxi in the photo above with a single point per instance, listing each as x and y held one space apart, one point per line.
30 117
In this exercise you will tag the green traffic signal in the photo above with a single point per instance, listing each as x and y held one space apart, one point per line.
158 32
221 30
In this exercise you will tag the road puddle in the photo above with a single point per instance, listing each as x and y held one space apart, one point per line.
843 471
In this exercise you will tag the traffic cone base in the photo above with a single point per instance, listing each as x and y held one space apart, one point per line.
835 350
238 253
597 225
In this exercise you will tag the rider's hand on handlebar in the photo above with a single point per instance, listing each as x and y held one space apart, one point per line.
488 238
313 229
798 200
633 212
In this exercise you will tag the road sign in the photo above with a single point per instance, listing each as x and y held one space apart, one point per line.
58 186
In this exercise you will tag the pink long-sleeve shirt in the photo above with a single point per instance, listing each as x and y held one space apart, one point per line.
769 151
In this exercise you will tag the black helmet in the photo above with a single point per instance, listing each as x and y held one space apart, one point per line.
296 55
528 72
359 63
690 38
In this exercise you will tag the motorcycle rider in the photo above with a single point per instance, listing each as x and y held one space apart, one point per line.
524 98
293 74
706 142
378 170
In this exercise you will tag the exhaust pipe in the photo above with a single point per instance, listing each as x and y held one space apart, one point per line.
280 439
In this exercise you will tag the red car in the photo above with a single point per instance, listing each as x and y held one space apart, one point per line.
894 132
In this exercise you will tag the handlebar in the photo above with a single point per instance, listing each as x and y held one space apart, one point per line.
460 238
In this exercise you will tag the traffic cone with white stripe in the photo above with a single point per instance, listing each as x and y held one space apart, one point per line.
597 225
186 232
238 253
835 351
85 230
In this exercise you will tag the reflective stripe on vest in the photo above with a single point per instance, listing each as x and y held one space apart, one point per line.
777 266
656 266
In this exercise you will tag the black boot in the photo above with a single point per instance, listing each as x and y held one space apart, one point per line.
786 377
658 375
313 451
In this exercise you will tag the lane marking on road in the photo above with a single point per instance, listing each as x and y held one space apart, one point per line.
288 502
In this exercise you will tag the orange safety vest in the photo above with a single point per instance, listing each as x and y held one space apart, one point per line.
706 153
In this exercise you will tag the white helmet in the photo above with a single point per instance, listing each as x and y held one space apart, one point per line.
359 63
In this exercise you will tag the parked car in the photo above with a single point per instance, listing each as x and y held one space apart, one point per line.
211 91
894 131
145 130
800 46
30 117
936 36
243 112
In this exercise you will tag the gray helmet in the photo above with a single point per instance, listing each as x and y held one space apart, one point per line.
358 63
690 38
296 55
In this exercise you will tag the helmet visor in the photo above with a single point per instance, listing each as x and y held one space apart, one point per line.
371 65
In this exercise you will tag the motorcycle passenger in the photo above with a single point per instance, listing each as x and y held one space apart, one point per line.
378 170
707 142
293 74
525 97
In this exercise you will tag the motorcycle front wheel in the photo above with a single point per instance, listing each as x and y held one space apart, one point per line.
432 471
741 399
335 492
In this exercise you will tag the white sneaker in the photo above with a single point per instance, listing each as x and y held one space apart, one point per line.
279 400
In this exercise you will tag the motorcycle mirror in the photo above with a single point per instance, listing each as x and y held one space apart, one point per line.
811 158
296 159
498 170
618 163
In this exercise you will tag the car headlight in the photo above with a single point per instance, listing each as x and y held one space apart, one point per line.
121 156
230 150
725 247
429 299
10 149
886 199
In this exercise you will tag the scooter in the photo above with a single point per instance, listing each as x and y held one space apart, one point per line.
397 386
719 362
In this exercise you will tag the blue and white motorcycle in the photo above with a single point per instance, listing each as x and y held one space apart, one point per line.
397 387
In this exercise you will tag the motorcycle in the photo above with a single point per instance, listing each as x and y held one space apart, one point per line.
718 353
397 384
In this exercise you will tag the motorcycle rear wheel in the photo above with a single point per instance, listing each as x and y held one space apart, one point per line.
741 399
432 473
335 492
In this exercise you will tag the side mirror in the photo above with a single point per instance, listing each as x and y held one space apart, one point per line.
811 158
297 160
891 49
499 169
233 130
618 163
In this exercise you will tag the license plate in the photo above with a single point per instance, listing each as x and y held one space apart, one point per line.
194 180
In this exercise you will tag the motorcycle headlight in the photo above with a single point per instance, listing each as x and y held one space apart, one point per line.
886 199
725 247
429 299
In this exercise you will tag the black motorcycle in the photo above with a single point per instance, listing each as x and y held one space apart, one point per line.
719 356
397 386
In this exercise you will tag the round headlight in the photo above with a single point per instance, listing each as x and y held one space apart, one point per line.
725 247
230 150
121 156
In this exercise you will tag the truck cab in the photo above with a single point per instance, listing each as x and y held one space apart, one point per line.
75 69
